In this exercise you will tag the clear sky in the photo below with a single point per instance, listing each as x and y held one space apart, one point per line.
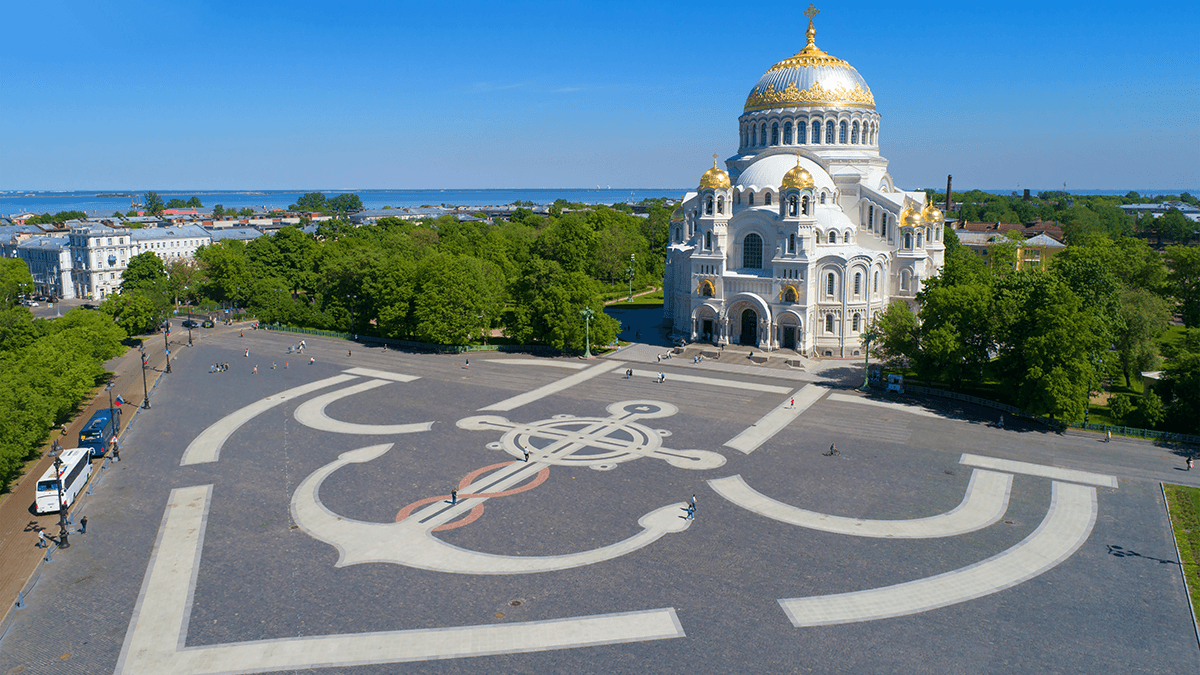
345 95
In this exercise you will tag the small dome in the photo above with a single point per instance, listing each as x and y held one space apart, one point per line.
798 177
715 178
932 214
910 218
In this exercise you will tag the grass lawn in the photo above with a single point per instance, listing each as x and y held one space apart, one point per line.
653 299
1184 504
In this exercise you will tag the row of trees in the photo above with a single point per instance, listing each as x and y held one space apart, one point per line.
441 281
48 366
1048 338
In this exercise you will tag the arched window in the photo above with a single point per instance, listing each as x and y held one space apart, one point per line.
829 282
751 199
762 134
857 286
792 205
737 198
787 133
919 239
833 237
904 275
708 240
846 237
816 132
871 218
775 133
854 134
792 243
908 240
883 225
678 234
767 199
804 205
829 132
706 289
708 206
822 197
874 128
721 205
828 323
857 318
752 252
801 132
817 237
842 132
789 295
754 136
876 287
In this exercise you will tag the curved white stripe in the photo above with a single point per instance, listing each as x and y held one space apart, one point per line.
1066 526
312 414
207 446
985 502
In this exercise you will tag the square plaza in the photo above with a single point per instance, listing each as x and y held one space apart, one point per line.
300 520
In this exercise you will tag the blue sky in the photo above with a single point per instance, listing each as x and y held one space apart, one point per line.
228 95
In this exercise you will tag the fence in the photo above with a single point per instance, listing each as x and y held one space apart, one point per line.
1017 412
415 346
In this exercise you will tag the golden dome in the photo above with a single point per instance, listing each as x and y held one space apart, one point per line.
932 214
810 78
715 178
910 217
798 177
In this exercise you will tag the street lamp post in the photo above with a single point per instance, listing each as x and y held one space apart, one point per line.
587 315
145 391
629 275
867 337
167 345
353 297
62 507
189 327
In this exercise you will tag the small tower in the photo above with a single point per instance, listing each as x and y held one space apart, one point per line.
716 206
796 194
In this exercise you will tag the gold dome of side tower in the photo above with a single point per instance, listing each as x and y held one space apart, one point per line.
932 214
797 177
715 178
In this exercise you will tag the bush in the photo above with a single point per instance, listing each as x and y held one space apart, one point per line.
1119 407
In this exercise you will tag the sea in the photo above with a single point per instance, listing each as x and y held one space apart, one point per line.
14 202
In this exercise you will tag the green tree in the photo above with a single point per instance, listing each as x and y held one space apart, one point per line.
144 269
218 211
1144 316
176 204
1180 388
1150 411
345 204
547 302
896 334
453 299
134 312
1120 408
154 204
310 201
1174 226
15 281
1184 280
956 334
194 203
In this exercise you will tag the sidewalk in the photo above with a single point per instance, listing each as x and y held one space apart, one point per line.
19 523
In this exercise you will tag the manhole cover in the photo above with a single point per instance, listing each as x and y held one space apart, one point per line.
515 603
1009 522
499 615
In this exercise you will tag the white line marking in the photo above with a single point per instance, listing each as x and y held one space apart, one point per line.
775 421
899 407
311 414
381 374
157 632
985 502
538 362
1011 466
554 387
1065 528
207 446
713 382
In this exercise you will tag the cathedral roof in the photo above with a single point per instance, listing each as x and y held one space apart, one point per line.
771 171
810 78
714 178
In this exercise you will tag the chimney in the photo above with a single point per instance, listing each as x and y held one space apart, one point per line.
948 202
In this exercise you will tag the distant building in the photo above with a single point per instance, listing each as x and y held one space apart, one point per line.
176 242
99 256
1033 253
49 262
242 233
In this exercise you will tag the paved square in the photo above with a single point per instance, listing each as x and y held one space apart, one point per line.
302 518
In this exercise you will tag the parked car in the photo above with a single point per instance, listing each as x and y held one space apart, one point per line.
190 324
208 323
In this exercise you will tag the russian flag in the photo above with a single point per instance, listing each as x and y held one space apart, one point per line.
120 400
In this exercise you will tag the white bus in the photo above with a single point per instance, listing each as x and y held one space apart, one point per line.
76 467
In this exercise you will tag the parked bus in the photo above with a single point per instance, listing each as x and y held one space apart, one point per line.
76 467
100 430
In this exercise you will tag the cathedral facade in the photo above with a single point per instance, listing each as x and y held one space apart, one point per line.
803 239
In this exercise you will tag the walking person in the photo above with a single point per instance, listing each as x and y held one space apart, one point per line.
272 365
691 512
83 525
311 360
247 353
693 500
255 369
453 497
1108 435
285 365
1189 463
42 543
116 449
468 365
348 352
526 455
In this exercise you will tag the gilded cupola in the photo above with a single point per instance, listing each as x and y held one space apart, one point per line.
932 214
810 78
715 178
798 177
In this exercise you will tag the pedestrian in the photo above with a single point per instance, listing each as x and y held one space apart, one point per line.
693 500
468 366
285 365
662 377
1189 463
83 525
348 352
116 449
793 401
256 369
526 455
1108 435
42 543
691 512
453 497
247 353
658 358
272 365
241 334
311 360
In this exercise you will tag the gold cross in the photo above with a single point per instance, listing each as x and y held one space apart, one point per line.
811 11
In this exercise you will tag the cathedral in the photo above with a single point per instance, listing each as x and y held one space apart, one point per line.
803 239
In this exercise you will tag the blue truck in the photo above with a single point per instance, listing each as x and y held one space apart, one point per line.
100 430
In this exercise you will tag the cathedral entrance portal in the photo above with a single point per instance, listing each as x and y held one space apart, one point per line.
789 337
707 333
749 328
